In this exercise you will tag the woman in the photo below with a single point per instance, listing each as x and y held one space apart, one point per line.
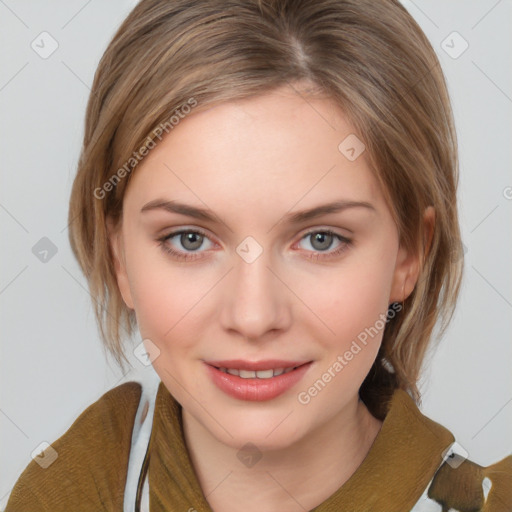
267 193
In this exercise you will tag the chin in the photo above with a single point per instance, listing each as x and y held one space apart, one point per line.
267 430
259 439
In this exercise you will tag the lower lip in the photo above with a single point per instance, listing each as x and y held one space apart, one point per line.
256 390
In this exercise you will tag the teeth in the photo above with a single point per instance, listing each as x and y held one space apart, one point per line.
260 374
265 374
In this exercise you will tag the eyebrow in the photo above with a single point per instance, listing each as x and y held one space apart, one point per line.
292 218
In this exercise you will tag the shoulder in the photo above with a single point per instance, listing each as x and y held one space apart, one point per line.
87 464
461 484
429 452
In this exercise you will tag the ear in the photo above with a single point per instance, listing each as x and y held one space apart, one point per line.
408 262
115 238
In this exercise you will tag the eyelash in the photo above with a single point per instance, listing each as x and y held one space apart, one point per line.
346 242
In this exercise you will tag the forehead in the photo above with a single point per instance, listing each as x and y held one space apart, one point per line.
270 151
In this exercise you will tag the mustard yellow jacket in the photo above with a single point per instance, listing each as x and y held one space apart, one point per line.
409 466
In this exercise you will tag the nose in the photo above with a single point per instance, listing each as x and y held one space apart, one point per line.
255 302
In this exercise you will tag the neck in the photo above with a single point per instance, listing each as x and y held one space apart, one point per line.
297 477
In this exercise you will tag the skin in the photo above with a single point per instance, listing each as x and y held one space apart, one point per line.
252 162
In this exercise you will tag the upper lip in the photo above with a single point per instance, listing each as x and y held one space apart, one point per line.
267 364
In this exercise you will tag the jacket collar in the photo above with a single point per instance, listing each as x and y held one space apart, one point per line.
398 467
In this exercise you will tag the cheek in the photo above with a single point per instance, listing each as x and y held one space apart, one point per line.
166 296
353 306
352 300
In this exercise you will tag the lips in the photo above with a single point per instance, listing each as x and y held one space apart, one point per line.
256 381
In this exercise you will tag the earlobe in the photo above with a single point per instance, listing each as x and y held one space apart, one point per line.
115 238
408 262
405 276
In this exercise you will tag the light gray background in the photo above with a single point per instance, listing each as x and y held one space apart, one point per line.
52 363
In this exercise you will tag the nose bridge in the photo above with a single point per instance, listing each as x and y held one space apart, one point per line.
256 302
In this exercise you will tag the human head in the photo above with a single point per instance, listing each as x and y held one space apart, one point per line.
371 58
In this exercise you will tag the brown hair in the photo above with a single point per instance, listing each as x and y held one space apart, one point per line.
369 56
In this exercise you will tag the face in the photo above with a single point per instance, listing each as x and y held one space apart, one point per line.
253 286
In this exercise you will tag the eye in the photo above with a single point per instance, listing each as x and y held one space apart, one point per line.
189 239
193 239
321 240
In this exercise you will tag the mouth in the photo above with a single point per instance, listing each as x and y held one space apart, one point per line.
256 381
